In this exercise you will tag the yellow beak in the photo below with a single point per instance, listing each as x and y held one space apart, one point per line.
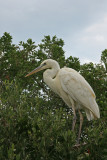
34 71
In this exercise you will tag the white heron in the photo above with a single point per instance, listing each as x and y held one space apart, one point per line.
72 88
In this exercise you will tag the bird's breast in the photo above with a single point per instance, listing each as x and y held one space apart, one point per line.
61 92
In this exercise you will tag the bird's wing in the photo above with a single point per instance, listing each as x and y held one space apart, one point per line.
77 87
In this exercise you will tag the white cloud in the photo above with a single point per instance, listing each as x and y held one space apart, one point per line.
87 60
97 31
100 26
88 43
82 24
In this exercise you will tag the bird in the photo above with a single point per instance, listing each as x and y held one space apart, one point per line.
72 87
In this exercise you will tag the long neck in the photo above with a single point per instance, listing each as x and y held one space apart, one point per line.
49 76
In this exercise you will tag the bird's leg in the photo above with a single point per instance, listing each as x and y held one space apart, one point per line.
74 117
74 120
80 127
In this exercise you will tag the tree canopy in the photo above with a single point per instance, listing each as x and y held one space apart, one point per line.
34 122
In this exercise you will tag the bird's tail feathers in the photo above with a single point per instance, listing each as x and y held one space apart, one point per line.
94 112
89 115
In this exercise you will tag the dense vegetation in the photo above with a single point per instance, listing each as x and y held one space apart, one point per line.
35 124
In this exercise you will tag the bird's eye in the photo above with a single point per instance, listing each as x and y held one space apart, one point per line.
44 64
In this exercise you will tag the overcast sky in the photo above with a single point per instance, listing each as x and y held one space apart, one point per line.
82 24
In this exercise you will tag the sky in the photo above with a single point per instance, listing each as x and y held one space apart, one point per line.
82 24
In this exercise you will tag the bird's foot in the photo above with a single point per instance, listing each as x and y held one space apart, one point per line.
79 145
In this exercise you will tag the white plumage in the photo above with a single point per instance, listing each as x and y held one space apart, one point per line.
72 88
80 91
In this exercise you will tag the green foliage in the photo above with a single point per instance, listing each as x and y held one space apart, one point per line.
34 122
104 58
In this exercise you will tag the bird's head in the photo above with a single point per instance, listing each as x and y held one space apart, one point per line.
49 63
